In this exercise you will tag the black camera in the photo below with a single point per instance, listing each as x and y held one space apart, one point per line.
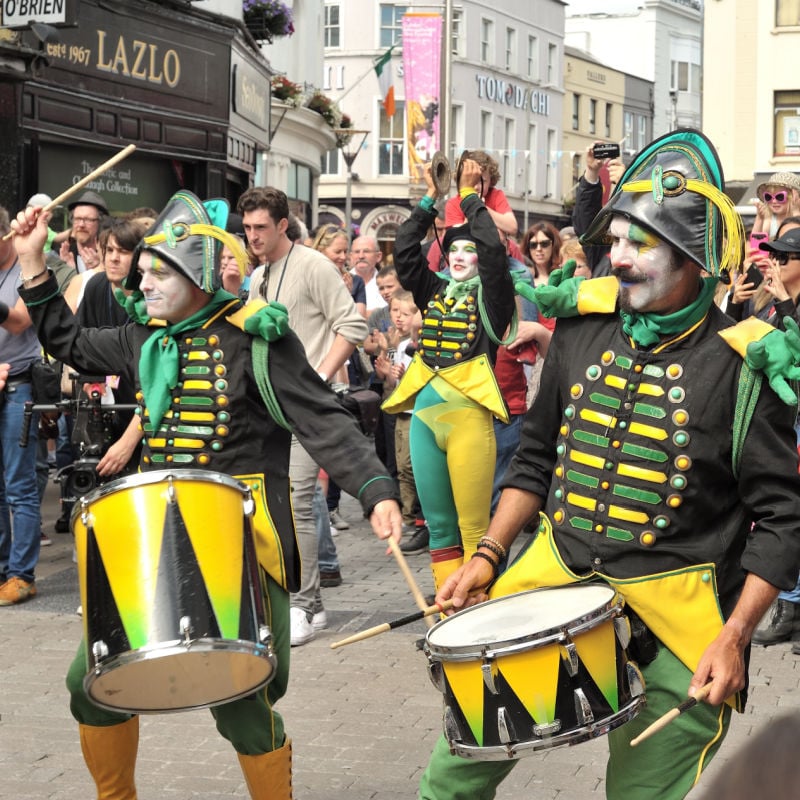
79 478
606 150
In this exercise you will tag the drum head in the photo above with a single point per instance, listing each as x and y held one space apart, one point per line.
516 617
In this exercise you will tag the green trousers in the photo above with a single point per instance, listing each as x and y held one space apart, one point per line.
665 766
250 724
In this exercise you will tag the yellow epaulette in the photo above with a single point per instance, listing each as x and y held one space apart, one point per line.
743 333
247 310
598 295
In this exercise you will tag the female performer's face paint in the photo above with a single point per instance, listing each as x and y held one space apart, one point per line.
650 277
463 260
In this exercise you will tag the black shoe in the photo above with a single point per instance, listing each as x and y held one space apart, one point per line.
418 543
330 579
62 525
779 623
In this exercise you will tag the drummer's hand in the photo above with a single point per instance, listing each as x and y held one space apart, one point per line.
30 234
466 586
115 459
387 520
722 662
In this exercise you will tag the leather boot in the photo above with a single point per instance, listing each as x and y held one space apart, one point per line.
778 623
110 754
269 776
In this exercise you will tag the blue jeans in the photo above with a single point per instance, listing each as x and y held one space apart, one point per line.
327 556
507 441
19 496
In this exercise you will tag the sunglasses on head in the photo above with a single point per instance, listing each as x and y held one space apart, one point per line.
778 197
534 245
784 258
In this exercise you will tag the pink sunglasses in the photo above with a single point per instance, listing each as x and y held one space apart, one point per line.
778 197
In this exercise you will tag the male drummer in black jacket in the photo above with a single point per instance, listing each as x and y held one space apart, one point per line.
264 390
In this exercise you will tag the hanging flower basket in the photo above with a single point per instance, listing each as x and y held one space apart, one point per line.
266 19
287 91
328 109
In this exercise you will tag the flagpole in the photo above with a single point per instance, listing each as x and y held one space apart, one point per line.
369 71
445 115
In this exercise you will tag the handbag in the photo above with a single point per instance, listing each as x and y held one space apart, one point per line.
364 405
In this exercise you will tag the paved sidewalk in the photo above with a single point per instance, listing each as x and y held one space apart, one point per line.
363 718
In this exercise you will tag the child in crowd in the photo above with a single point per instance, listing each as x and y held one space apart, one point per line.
397 349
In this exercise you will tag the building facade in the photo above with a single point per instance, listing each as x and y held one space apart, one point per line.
654 40
751 103
506 96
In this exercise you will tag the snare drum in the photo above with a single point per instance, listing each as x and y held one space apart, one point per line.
172 607
534 670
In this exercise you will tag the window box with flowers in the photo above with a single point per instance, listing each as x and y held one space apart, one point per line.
286 91
266 19
328 109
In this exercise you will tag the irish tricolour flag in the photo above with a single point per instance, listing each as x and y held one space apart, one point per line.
383 69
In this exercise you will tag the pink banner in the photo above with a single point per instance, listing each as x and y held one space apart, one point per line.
422 51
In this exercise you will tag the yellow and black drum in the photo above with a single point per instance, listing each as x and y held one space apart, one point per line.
534 670
172 607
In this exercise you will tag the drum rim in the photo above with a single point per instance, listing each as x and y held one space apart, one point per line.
158 476
176 647
541 638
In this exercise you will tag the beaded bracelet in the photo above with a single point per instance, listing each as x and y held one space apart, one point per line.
492 548
485 538
490 560
466 192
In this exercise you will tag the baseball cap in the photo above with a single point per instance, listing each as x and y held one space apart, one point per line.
788 242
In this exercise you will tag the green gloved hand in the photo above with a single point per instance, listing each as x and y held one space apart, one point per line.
777 355
270 322
560 297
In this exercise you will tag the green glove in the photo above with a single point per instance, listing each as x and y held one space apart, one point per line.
777 355
560 297
270 322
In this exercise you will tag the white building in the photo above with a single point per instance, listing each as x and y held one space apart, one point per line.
657 40
752 99
506 97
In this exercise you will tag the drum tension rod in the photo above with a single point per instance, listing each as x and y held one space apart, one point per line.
488 677
570 657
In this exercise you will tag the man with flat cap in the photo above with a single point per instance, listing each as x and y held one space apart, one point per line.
657 461
86 216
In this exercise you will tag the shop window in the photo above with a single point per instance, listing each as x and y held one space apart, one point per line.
329 163
787 123
298 186
391 24
392 141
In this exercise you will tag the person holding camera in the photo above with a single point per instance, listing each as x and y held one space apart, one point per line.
264 391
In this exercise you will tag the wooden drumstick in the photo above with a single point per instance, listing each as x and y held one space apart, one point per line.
672 714
76 187
419 598
396 623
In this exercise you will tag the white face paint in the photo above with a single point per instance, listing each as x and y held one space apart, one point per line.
648 277
169 294
463 259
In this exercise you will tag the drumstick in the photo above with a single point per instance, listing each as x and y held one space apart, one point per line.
396 623
115 159
419 598
672 714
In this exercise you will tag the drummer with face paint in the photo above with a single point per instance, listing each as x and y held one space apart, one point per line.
263 391
450 386
658 460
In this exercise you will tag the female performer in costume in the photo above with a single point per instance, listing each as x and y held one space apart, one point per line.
450 385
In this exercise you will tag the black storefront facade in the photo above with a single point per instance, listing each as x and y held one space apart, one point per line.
188 88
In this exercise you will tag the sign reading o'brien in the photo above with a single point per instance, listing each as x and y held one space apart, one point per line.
20 13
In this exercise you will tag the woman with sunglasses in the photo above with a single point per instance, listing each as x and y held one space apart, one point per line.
541 247
778 198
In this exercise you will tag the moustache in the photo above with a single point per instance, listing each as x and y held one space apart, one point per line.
626 276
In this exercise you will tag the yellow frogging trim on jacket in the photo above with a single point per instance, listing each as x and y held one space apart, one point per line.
649 431
580 501
627 514
606 420
649 475
649 390
616 382
743 333
579 457
201 385
474 378
598 295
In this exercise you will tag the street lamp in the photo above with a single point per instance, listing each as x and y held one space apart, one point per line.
350 142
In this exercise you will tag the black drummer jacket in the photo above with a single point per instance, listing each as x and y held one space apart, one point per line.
245 439
632 452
